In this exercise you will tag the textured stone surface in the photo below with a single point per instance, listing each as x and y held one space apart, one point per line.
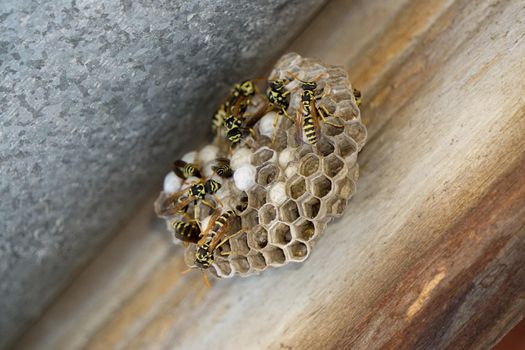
96 97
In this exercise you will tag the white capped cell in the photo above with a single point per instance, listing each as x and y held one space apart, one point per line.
278 193
286 157
244 177
208 153
172 182
190 157
240 157
266 126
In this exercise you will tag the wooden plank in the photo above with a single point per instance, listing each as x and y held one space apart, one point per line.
432 251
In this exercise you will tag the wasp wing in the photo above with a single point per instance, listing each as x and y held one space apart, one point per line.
315 118
211 223
299 124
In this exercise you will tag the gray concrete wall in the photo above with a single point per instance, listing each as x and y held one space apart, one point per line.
96 98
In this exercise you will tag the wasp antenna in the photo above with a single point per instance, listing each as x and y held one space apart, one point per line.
205 278
294 76
318 77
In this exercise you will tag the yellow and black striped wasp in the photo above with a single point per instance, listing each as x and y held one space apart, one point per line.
238 124
213 237
279 98
178 202
243 92
185 170
309 112
222 167
240 97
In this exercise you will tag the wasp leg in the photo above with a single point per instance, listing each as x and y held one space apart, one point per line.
205 278
323 110
196 215
252 132
283 112
244 229
219 202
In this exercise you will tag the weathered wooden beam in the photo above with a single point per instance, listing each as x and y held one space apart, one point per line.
431 254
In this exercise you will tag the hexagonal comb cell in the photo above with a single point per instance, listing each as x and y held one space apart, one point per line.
267 174
325 147
274 256
297 251
267 214
332 165
280 141
331 130
250 218
256 197
304 230
357 131
222 268
239 244
328 105
280 234
258 238
311 207
241 264
345 187
257 261
304 149
336 206
321 186
261 156
224 249
297 188
346 147
289 211
242 203
309 165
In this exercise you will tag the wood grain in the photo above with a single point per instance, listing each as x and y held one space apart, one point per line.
431 254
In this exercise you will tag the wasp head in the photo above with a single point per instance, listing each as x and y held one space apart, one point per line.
211 186
247 88
277 85
309 85
203 257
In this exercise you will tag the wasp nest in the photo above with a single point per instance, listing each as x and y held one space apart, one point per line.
284 190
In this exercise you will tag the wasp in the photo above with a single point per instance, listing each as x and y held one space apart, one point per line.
185 170
240 95
238 124
186 231
220 115
222 167
212 237
309 112
243 92
177 203
279 97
